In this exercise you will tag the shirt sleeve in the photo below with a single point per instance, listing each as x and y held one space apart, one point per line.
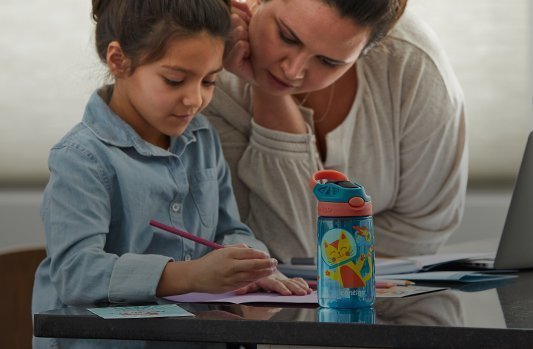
432 157
276 168
230 229
76 212
430 200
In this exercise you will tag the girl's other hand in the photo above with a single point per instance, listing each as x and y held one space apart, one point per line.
238 60
277 282
229 268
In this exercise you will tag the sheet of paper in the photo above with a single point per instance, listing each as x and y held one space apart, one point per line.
405 291
385 266
262 297
142 311
231 297
441 258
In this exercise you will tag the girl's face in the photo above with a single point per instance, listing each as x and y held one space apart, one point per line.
160 98
302 45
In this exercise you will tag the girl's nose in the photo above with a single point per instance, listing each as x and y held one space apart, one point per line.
192 98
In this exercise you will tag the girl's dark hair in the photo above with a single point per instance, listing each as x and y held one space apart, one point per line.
144 27
377 15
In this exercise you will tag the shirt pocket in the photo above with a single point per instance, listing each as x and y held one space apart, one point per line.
204 191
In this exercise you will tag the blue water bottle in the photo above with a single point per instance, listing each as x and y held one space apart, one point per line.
345 263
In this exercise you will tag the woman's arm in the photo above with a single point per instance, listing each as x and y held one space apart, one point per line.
270 170
430 136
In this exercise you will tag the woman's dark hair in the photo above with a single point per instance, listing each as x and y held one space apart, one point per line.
144 27
377 15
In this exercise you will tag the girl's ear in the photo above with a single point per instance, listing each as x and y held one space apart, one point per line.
117 61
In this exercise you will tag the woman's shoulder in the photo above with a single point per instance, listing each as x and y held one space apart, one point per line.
414 30
231 92
413 40
231 106
411 54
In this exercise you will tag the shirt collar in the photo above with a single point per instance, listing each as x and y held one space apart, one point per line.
111 129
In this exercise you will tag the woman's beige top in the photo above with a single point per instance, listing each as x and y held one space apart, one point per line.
403 140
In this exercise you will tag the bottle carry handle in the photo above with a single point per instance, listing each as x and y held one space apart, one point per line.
330 175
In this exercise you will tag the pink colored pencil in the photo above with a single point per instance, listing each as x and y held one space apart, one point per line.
186 235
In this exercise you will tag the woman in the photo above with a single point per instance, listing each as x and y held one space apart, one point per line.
345 85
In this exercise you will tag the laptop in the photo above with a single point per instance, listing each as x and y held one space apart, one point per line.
515 249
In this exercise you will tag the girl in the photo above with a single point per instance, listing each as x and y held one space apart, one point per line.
142 152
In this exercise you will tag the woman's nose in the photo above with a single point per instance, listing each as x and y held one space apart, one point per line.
294 67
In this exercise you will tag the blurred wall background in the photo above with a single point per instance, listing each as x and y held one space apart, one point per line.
48 69
490 44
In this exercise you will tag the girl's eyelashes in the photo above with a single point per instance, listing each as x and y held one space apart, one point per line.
176 83
209 82
173 83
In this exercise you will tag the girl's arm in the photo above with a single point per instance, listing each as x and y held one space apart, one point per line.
230 230
76 213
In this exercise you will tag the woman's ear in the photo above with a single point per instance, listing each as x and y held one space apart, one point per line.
118 63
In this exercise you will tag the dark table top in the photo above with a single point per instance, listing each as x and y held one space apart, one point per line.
470 315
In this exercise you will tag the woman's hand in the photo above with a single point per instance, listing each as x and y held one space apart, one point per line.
238 60
274 112
279 283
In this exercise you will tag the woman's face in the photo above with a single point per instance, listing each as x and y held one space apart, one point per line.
302 45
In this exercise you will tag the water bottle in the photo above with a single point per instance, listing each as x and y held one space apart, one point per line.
345 263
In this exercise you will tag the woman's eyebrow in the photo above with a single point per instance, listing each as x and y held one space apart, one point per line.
293 34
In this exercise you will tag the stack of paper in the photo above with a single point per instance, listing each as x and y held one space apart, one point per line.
408 268
384 266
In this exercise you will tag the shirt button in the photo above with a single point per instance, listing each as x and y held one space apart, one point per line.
176 207
188 257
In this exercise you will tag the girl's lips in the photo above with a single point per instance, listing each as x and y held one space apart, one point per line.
187 116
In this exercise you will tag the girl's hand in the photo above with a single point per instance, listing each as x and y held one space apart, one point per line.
229 268
238 60
277 282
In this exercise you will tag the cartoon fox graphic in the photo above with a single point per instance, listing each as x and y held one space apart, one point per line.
348 273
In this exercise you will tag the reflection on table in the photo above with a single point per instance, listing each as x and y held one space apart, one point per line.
474 316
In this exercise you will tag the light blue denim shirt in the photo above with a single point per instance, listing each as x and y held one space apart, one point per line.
106 184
